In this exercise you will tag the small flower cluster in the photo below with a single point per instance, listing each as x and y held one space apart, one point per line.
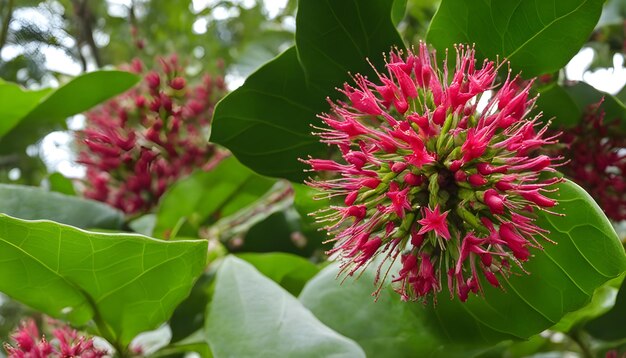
29 343
597 160
427 177
139 143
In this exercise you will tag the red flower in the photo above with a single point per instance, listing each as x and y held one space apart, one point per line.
137 144
596 150
66 343
428 177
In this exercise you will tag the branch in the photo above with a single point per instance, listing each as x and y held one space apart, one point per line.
5 24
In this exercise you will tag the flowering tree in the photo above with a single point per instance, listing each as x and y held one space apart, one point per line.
459 188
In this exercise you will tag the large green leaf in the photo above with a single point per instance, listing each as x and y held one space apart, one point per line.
386 327
126 283
290 271
334 38
76 96
15 103
267 122
563 277
34 203
219 192
536 36
251 316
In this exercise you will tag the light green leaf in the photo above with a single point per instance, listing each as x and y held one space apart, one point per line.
251 316
15 103
536 36
126 283
290 271
34 203
76 96
217 193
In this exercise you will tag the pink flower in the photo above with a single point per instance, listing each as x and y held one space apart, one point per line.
434 221
597 160
429 179
139 143
66 343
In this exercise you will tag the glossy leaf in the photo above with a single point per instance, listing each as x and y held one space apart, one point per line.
563 277
386 327
267 122
76 96
290 271
559 106
32 203
584 95
216 193
15 103
250 315
537 37
334 38
610 326
126 283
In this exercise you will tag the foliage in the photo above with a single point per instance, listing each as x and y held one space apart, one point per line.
233 263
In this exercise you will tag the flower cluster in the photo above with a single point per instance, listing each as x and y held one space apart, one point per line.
137 144
66 343
430 179
597 160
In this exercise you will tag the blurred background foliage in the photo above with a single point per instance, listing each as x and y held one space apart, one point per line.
45 42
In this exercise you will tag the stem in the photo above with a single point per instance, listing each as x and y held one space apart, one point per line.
577 336
5 24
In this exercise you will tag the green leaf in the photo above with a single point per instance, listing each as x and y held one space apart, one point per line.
61 184
34 203
15 103
251 316
335 37
610 327
383 327
535 36
76 96
398 9
126 283
290 271
219 192
584 95
559 106
563 278
602 301
267 122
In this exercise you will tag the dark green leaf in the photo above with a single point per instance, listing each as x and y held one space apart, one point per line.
126 283
557 105
33 203
290 271
266 122
76 96
251 316
335 37
15 103
398 10
610 326
584 95
536 36
189 315
563 277
219 192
